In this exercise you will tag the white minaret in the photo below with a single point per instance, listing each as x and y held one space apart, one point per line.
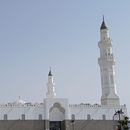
50 86
106 62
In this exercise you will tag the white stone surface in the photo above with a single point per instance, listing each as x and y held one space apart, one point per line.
58 110
50 86
106 62
96 111
15 111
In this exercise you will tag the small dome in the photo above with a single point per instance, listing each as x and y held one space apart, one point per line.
19 101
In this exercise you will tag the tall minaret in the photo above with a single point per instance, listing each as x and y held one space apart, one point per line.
106 62
50 86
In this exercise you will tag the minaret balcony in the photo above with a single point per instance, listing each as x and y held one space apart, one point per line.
109 56
106 42
108 59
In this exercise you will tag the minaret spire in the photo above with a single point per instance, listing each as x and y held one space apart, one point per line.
103 25
106 62
50 73
50 86
103 17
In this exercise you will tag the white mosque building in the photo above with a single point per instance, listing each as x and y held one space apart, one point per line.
54 108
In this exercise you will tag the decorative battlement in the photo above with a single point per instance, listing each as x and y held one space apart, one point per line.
29 104
83 105
87 105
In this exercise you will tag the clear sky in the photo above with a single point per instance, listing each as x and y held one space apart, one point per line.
37 34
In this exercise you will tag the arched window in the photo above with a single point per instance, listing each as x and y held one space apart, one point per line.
40 116
72 118
56 112
88 117
23 116
5 117
104 117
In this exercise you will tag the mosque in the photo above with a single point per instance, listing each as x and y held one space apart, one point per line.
57 114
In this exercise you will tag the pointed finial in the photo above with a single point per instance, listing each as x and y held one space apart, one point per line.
103 25
103 17
50 74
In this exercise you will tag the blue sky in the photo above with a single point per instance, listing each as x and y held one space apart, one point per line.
35 35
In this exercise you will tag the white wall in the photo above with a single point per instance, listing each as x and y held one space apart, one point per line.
81 111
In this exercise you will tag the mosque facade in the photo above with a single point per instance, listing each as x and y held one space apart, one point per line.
57 114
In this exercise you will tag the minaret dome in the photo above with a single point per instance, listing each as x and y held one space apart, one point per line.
103 25
50 73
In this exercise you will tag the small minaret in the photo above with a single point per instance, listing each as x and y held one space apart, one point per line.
106 62
50 86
